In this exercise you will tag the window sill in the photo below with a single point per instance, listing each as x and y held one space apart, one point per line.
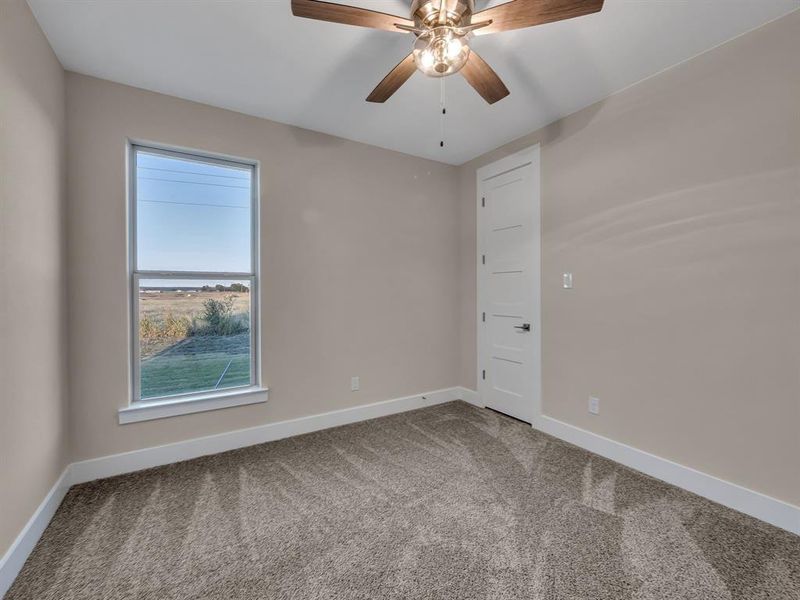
161 409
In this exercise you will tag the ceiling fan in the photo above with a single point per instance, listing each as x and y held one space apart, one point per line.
443 29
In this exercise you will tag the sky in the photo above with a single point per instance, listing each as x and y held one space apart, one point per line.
191 215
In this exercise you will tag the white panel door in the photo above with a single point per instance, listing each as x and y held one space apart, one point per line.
509 281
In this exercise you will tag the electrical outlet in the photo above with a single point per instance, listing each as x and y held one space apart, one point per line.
594 405
355 384
566 281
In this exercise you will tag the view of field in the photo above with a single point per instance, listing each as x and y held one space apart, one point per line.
193 341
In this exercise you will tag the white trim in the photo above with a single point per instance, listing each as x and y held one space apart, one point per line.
508 163
20 549
117 464
755 504
147 411
528 156
773 511
470 396
135 275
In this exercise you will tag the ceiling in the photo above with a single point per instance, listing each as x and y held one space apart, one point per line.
255 57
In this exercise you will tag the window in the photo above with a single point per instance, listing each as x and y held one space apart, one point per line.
194 276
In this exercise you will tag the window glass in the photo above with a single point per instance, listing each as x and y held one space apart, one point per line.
194 335
192 215
193 275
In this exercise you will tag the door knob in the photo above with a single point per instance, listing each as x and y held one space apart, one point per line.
523 327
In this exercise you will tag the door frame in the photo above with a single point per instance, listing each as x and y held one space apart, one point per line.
532 156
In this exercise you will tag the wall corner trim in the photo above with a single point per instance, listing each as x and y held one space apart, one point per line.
11 563
470 396
765 508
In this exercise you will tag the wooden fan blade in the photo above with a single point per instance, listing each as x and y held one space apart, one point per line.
483 78
392 82
349 15
471 27
527 13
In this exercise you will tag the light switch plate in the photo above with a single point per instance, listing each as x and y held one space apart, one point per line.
567 281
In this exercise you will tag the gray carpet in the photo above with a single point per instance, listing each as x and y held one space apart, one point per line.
446 502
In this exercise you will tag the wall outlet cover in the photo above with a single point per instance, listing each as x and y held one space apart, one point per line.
594 405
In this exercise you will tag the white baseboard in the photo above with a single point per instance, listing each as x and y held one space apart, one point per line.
765 508
776 512
117 464
773 511
468 395
17 554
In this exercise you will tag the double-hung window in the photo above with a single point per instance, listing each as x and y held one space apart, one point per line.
194 275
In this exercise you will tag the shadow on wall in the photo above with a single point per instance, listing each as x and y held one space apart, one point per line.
683 315
674 216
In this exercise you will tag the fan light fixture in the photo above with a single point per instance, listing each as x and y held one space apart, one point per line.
440 52
442 29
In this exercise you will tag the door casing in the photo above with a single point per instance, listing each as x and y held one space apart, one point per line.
530 156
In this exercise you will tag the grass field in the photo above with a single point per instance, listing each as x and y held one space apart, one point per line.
197 364
187 305
184 363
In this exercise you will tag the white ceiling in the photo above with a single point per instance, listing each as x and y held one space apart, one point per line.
256 58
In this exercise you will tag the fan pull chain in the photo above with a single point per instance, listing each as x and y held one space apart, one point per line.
443 106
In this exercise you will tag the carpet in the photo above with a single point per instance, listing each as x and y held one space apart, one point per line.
446 502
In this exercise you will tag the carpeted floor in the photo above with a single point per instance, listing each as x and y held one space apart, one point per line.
445 502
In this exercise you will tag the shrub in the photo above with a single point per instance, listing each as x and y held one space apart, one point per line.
169 328
177 327
219 319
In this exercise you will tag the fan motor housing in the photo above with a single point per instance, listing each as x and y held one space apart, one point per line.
426 12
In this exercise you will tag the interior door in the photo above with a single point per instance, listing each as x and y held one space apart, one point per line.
509 286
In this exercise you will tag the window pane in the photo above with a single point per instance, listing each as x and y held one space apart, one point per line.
192 215
194 336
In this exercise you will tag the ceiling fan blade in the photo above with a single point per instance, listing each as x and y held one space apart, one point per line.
471 27
527 13
416 30
349 15
483 78
392 82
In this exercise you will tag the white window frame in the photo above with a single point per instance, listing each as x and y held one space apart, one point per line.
140 409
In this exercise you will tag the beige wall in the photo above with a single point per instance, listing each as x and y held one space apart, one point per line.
32 317
676 204
359 263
